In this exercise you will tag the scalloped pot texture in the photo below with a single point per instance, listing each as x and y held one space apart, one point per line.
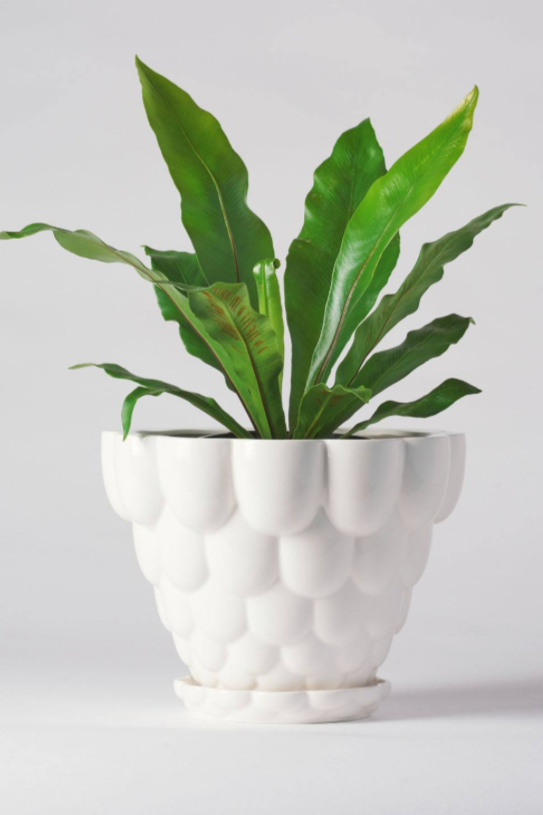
283 566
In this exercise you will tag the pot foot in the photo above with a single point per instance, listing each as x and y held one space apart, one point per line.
282 707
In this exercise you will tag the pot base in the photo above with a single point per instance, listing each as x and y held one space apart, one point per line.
282 707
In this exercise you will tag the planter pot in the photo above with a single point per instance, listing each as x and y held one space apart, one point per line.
283 569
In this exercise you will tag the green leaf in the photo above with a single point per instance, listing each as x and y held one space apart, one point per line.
393 308
269 301
82 243
433 403
179 267
388 367
228 237
339 185
129 404
248 342
155 387
182 268
391 201
321 408
88 245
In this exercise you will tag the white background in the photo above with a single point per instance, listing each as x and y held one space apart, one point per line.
89 721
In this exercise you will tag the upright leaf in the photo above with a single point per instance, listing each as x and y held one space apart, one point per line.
391 201
155 387
269 301
247 339
228 237
433 403
393 308
82 243
269 298
339 185
321 409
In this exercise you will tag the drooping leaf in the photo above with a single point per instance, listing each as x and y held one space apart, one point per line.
390 202
228 237
247 339
433 403
321 408
82 243
393 308
155 387
339 185
87 245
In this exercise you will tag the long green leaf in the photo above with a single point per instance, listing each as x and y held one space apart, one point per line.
339 185
269 298
87 245
249 342
389 367
322 406
228 237
183 268
269 302
155 387
433 403
432 340
82 243
127 409
391 201
393 308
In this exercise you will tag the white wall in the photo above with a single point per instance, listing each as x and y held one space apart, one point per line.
284 78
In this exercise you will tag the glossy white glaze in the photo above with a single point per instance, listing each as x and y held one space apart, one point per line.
294 707
283 566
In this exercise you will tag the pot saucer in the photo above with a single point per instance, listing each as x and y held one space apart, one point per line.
282 707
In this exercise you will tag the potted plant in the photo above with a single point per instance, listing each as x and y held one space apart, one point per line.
283 552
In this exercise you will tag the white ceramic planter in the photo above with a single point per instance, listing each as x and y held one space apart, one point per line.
283 569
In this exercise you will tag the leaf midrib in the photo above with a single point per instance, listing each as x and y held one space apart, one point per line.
253 366
164 289
401 296
208 170
364 265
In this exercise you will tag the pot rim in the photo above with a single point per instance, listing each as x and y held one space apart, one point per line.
199 434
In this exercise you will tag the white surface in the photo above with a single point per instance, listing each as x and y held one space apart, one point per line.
110 738
91 724
287 707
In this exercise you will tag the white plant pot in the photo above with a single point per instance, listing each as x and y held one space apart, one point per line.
283 569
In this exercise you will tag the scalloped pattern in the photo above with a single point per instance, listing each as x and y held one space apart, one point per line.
282 565
296 707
